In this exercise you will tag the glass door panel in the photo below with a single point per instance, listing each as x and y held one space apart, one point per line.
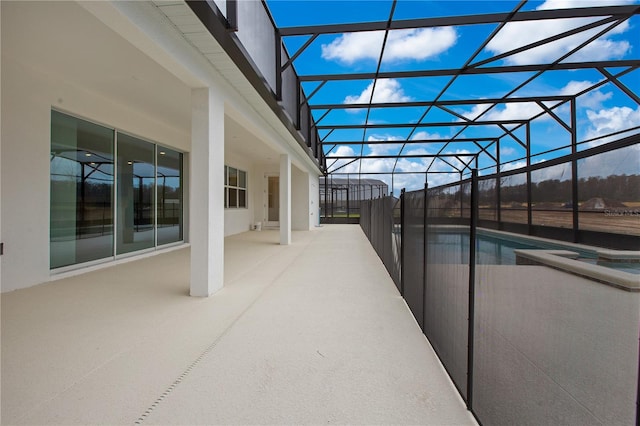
273 200
136 195
81 183
169 196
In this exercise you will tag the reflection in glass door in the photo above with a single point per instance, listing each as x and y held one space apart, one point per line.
103 179
273 201
136 194
169 196
81 209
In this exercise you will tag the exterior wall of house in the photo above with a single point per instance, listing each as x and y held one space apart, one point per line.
262 170
299 197
59 55
314 201
32 86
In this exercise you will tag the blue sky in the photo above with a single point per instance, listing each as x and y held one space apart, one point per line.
599 112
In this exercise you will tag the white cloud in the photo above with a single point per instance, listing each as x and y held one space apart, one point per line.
378 165
511 111
343 151
464 157
377 138
611 120
593 99
573 87
352 47
413 169
383 149
515 111
415 44
568 4
422 135
419 150
517 34
525 110
387 90
410 182
513 166
475 111
601 50
507 150
436 180
418 44
617 162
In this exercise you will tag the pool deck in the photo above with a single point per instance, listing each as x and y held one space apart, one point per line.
314 332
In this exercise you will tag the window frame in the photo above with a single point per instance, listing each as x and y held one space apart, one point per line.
239 190
115 200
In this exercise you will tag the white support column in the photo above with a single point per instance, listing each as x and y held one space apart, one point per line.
206 192
285 199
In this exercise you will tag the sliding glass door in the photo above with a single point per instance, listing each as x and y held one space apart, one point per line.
135 195
101 179
81 168
169 196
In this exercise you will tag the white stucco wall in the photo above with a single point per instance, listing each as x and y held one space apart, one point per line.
314 201
299 200
58 54
30 88
259 181
304 197
26 194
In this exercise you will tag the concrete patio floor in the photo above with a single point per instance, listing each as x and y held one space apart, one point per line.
315 332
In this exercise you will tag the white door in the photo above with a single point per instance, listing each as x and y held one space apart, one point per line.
272 201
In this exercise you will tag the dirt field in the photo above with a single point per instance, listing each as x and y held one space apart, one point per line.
618 221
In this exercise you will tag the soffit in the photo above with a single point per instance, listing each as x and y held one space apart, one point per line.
196 34
44 36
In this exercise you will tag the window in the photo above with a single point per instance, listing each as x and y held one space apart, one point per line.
81 183
135 192
235 188
139 190
169 195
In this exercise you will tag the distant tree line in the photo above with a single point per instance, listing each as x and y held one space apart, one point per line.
622 188
99 192
616 187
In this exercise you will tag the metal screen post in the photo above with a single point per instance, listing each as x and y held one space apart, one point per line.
574 173
332 199
638 393
498 187
461 196
424 251
529 183
348 188
232 15
370 206
402 240
326 197
472 269
278 64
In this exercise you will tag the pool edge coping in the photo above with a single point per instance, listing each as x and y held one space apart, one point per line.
562 260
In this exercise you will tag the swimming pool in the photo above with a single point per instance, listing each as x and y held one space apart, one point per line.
449 244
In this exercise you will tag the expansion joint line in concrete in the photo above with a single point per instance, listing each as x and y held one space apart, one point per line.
187 371
197 361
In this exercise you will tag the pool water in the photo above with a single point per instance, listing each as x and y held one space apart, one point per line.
453 247
628 267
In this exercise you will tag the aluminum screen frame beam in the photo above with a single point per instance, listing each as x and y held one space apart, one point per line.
602 19
489 18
